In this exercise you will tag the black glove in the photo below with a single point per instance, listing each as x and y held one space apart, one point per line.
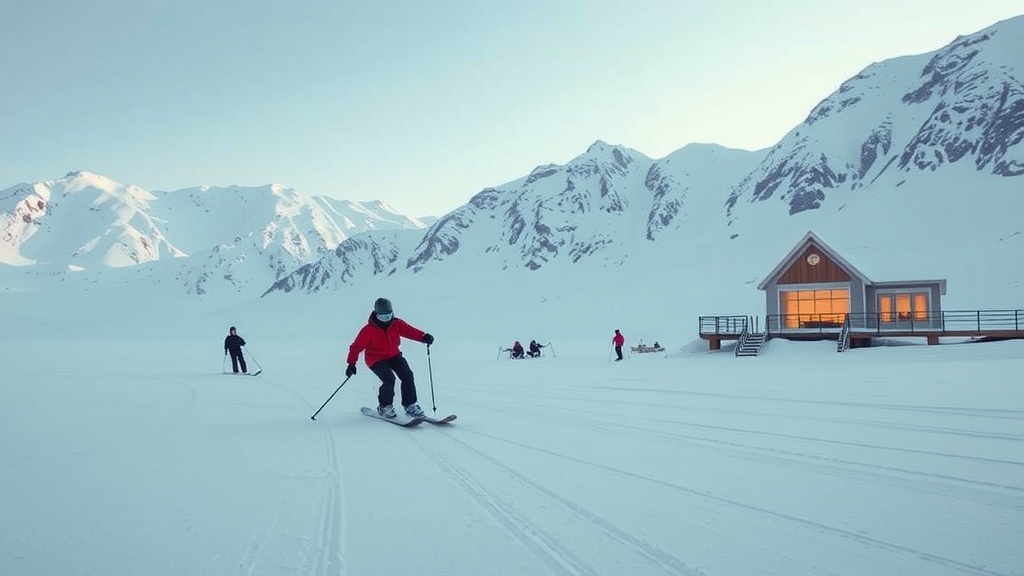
351 370
428 339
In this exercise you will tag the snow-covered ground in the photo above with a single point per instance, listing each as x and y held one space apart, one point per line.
132 454
125 450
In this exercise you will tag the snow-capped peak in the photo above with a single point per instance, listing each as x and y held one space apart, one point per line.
962 103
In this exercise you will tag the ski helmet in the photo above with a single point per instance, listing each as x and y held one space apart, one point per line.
383 310
383 306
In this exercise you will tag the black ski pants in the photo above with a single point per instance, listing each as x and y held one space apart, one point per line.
387 370
618 352
237 360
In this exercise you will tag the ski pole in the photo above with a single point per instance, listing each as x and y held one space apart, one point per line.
313 417
553 355
430 372
253 358
224 364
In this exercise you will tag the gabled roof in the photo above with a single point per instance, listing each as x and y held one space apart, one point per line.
809 238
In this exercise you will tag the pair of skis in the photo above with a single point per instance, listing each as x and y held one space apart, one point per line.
406 421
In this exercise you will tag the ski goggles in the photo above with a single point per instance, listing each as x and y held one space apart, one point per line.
386 317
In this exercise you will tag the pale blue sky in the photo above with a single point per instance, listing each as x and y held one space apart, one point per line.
422 103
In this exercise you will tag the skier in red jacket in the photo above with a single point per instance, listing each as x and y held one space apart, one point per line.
380 339
618 340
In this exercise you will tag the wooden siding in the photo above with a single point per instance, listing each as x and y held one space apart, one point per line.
827 270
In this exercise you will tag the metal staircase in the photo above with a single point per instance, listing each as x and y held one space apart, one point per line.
843 343
751 343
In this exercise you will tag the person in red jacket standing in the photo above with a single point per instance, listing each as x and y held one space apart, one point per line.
380 339
618 340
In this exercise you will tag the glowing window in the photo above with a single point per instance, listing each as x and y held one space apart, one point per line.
826 308
903 307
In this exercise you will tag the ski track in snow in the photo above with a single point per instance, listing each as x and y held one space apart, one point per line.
854 421
656 556
540 542
816 525
610 424
956 410
328 545
330 560
321 544
793 457
186 406
780 452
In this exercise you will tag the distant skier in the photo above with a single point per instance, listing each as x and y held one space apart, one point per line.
618 340
517 350
233 345
380 338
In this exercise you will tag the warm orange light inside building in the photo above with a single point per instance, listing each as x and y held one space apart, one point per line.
920 306
903 307
815 308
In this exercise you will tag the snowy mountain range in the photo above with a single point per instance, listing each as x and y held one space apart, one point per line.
913 151
231 236
936 126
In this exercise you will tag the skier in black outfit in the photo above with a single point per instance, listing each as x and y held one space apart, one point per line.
233 344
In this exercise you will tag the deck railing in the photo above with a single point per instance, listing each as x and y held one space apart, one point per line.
724 325
947 321
960 321
805 323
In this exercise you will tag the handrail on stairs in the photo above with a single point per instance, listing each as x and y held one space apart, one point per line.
844 336
743 338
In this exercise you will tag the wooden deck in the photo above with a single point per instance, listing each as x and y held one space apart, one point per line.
861 329
714 329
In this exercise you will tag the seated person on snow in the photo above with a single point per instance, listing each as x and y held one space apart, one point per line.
534 349
517 350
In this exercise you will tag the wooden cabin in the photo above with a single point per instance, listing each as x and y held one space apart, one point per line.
814 293
813 289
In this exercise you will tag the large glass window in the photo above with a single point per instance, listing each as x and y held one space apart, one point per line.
920 306
825 308
903 307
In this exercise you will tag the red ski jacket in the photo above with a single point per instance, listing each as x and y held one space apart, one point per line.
379 343
619 339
